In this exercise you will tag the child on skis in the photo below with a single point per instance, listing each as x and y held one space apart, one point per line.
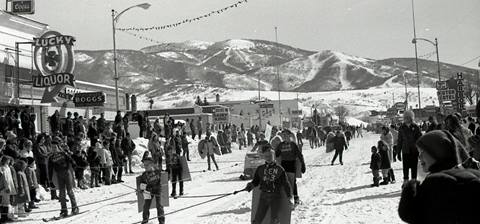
375 163
150 186
271 178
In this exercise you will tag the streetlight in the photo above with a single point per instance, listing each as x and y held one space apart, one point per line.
414 41
416 54
115 19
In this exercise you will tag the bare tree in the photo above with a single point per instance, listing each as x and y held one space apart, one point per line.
469 93
341 112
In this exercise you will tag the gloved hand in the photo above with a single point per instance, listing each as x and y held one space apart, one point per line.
303 168
249 186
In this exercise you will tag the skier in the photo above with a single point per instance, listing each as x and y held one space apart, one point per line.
261 142
271 178
289 153
61 165
175 169
150 186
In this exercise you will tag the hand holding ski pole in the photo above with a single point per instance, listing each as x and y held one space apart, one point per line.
235 192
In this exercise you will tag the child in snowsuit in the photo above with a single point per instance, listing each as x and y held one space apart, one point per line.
23 190
175 169
272 179
7 188
94 163
80 158
32 182
150 186
375 163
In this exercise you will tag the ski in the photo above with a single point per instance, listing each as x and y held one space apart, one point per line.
56 218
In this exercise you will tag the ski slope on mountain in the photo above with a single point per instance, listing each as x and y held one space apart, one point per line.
330 194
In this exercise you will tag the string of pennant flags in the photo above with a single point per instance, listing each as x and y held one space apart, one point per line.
141 37
174 25
428 55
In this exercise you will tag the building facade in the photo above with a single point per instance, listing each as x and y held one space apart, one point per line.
17 68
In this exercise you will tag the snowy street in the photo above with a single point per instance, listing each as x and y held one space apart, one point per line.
330 194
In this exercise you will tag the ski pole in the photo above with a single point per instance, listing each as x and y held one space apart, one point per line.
236 192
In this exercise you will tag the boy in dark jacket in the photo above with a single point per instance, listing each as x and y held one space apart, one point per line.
60 164
80 158
175 169
150 186
94 163
128 146
375 163
32 182
272 179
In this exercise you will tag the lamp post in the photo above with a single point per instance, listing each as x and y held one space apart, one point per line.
115 17
414 41
416 55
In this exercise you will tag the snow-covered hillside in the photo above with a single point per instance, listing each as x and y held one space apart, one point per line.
217 64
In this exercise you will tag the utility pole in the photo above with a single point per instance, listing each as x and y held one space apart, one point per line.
416 55
278 84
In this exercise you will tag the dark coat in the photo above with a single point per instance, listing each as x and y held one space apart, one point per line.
127 146
375 161
339 143
447 197
385 162
407 137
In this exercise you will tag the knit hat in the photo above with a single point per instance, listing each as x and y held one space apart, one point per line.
409 113
444 148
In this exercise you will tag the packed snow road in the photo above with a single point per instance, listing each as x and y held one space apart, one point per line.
330 194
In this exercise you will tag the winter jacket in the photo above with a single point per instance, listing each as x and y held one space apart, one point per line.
271 178
31 177
101 152
60 162
80 160
407 137
108 158
11 150
173 161
23 189
447 197
127 146
93 158
92 132
40 153
375 161
385 161
7 185
155 149
68 127
153 181
54 123
101 125
289 153
339 143
394 135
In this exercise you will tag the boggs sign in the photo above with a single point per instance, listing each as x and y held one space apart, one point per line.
89 99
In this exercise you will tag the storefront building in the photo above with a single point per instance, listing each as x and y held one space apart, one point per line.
16 85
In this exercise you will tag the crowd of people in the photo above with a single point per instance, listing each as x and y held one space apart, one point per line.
448 150
56 161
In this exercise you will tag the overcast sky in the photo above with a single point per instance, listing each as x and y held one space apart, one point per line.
368 28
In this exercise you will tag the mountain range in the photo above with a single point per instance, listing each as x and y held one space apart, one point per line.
247 64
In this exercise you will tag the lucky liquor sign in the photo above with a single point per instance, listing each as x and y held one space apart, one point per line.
54 59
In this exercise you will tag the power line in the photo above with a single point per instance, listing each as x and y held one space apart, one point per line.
473 59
